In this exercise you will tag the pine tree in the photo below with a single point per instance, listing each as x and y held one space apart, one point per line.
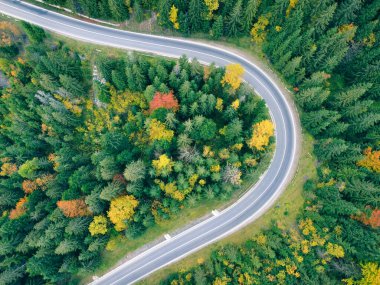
66 246
111 191
77 226
349 96
217 28
364 122
321 21
72 85
163 11
356 109
119 79
118 10
330 148
347 11
317 121
104 9
312 98
195 11
250 13
11 275
332 47
135 171
138 12
234 20
290 69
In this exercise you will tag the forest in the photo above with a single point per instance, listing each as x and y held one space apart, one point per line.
328 54
95 148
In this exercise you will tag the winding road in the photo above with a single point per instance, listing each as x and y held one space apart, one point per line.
257 199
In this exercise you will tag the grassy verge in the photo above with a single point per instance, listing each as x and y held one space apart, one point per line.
286 209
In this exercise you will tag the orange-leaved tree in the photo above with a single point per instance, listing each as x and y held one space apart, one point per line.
29 186
164 100
74 208
19 210
373 220
122 208
7 169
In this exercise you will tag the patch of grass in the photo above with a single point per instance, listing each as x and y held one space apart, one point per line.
285 210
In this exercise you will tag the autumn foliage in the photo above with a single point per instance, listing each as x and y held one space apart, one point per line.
373 220
29 186
74 208
173 17
232 76
262 132
164 100
98 226
158 131
122 209
7 169
163 164
371 160
19 210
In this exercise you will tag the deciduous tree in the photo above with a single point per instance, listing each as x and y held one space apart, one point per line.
98 226
74 208
122 209
261 134
232 75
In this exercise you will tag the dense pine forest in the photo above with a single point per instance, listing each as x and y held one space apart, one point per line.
56 180
328 52
95 148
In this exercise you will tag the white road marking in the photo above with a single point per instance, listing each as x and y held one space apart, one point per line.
167 236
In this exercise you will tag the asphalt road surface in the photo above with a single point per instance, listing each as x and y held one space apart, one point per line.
255 202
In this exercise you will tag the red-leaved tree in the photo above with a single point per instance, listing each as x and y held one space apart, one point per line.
164 100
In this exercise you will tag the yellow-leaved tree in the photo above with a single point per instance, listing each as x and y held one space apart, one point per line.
233 75
163 164
262 132
371 160
173 17
292 5
212 5
158 131
171 190
98 226
258 32
370 275
335 250
122 208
